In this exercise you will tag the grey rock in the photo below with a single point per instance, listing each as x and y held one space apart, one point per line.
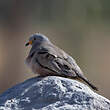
52 93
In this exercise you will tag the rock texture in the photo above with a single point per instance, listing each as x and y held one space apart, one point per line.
52 93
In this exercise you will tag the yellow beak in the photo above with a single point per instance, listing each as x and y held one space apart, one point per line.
29 43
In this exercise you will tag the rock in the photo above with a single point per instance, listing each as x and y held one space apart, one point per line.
52 93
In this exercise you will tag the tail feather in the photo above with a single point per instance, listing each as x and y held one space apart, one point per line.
88 82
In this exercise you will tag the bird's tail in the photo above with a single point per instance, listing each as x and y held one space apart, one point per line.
87 81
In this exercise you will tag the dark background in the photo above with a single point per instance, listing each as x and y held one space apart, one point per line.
80 27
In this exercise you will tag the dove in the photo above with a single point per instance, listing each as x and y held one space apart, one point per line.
46 59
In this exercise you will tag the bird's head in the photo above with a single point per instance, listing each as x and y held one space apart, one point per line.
37 39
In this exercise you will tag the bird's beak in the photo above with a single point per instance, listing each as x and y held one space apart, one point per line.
30 42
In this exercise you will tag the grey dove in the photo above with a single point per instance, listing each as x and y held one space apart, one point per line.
46 59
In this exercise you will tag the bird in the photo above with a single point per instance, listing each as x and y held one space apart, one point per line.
46 59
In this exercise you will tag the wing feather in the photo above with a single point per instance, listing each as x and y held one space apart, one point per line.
56 63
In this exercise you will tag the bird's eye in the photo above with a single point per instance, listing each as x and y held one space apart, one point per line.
34 38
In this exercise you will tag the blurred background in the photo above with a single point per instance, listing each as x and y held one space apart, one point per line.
80 27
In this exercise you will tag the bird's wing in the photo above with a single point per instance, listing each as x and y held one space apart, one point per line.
68 59
50 59
75 67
